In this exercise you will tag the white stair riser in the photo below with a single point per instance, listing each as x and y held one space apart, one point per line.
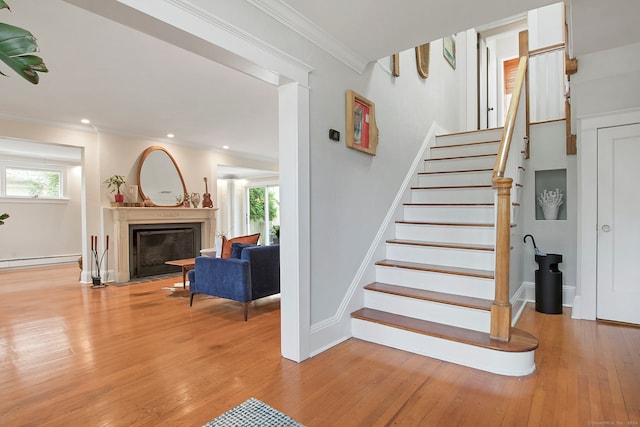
460 178
462 317
463 214
464 258
439 233
460 164
453 195
467 138
464 150
498 362
437 282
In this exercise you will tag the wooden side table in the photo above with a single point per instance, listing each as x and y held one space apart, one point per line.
186 264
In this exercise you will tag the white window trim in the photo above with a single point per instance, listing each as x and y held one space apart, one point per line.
33 164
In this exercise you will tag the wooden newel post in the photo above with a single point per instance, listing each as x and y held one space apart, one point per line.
501 307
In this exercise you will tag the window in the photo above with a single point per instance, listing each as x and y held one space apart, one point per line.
32 182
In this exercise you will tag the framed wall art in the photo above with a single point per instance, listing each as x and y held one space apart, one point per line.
362 131
449 50
395 65
422 60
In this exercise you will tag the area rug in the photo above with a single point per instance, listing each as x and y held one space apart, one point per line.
253 413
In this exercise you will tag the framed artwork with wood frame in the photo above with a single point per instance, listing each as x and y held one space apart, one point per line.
422 60
362 131
449 50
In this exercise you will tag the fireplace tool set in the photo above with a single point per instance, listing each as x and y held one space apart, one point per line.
96 279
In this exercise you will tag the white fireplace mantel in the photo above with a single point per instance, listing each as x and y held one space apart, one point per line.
123 217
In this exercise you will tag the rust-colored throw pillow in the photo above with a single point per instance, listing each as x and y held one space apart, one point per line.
226 244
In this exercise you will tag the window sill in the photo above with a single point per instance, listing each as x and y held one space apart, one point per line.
36 200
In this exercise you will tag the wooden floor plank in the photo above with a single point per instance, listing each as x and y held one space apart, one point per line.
132 355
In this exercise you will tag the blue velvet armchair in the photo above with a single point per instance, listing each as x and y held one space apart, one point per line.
256 274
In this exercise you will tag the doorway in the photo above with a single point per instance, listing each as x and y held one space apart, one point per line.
618 225
496 46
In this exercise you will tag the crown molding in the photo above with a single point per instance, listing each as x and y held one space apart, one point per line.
231 38
300 24
238 32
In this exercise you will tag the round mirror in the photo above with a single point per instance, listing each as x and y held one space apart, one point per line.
159 178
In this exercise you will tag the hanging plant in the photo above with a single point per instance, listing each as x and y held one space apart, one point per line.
17 46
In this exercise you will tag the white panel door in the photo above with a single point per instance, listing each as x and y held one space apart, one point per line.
618 295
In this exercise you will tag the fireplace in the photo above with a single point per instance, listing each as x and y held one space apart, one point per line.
150 245
157 218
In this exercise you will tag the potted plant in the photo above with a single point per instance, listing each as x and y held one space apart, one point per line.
184 200
113 184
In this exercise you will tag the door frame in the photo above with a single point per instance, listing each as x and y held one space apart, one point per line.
585 302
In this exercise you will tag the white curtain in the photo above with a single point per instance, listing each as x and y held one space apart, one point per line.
547 86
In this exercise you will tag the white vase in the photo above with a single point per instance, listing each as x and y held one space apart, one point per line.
133 193
550 211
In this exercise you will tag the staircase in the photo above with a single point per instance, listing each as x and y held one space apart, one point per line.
433 292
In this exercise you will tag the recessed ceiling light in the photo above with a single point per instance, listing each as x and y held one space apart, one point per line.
225 147
85 121
170 135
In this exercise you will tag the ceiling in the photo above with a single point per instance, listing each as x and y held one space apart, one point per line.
130 83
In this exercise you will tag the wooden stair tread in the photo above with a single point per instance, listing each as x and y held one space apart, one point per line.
493 141
460 157
449 204
521 341
456 171
450 224
470 272
455 204
442 245
440 297
454 187
467 132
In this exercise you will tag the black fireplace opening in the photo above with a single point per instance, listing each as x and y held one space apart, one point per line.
151 245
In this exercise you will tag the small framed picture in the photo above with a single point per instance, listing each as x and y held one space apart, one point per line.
449 50
422 60
362 131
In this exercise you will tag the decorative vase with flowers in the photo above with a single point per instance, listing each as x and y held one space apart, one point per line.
113 184
184 200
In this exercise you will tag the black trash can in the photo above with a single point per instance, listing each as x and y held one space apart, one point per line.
549 284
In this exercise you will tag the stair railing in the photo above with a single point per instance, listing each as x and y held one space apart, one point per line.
506 168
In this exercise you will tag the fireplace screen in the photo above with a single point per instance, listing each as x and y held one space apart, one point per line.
153 244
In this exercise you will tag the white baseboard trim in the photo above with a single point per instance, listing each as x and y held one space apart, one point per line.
526 293
518 303
38 261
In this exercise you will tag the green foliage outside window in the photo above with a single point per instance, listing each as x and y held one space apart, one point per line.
256 204
33 183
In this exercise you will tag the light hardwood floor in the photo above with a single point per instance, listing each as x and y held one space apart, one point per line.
121 356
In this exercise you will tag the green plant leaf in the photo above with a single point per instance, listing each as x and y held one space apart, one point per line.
4 5
16 46
4 215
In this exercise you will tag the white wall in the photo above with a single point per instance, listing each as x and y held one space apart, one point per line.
548 152
605 92
43 231
351 191
50 232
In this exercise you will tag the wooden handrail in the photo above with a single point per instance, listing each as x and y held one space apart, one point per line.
546 49
505 142
500 328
